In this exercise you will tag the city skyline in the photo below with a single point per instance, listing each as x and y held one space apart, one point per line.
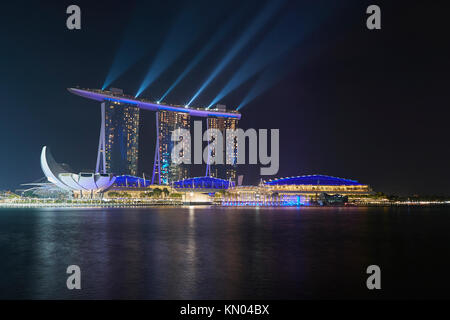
219 158
118 150
350 110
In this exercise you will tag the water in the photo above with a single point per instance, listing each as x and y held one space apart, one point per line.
224 253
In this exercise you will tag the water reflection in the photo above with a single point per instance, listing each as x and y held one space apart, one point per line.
219 253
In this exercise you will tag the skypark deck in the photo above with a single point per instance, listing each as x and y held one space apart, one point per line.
104 95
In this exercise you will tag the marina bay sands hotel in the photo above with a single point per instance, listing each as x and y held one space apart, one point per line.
118 149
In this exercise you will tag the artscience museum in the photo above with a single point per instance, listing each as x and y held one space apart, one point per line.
81 184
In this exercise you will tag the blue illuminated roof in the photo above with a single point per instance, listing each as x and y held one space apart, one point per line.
315 179
203 183
131 181
102 95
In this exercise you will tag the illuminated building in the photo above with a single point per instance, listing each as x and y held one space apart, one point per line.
168 118
128 181
82 184
298 190
313 185
168 122
118 147
121 138
227 170
202 183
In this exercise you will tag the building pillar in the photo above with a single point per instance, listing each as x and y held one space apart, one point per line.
101 157
208 168
156 162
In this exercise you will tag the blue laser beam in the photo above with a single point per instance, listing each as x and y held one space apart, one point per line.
131 49
215 39
181 35
279 40
263 17
270 76
282 62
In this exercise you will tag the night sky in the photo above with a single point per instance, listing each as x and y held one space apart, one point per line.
366 105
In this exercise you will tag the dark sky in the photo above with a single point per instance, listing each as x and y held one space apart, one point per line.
367 105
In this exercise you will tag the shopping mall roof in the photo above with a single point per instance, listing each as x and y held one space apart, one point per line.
315 179
131 181
203 183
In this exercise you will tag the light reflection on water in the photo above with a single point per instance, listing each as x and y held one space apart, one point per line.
222 253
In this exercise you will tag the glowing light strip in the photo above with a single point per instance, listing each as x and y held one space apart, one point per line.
99 96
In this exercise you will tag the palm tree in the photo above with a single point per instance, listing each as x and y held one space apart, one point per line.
157 192
148 194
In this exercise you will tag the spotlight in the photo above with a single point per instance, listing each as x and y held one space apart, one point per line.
215 39
264 16
272 75
275 44
177 41
132 48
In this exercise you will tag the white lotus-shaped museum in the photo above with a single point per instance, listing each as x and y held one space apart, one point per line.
56 174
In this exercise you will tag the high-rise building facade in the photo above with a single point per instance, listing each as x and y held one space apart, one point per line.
168 122
121 138
119 135
230 142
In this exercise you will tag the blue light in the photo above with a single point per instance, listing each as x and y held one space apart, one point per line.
131 181
279 40
181 35
203 183
206 49
132 48
284 201
121 101
278 68
269 9
269 77
313 180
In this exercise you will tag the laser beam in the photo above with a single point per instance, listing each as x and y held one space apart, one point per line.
182 33
270 76
215 39
131 49
278 41
263 17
